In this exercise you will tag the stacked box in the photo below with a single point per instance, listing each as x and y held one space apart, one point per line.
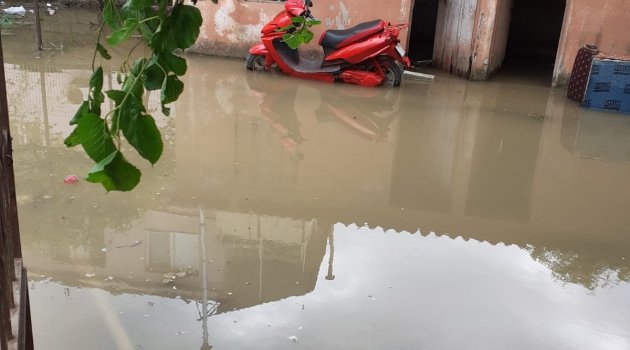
608 85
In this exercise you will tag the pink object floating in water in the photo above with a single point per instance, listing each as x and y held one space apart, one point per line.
71 179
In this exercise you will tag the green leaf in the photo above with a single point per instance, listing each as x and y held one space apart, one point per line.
297 19
91 133
307 36
83 109
139 129
153 77
172 87
141 4
142 133
96 79
115 173
116 95
137 65
133 81
124 33
187 20
285 28
293 41
131 108
173 63
96 98
146 31
313 22
179 30
103 51
111 17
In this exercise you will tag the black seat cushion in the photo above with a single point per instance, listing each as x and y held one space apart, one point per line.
335 39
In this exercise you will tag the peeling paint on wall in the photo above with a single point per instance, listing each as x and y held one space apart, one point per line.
232 26
403 17
226 26
342 20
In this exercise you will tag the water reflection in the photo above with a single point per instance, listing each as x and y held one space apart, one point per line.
235 237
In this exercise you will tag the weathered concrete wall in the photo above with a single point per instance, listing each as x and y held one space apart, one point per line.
232 26
605 23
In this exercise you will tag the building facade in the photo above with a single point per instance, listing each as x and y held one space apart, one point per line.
469 38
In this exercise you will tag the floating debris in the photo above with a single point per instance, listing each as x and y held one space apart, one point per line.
293 339
167 281
90 275
181 333
104 249
135 243
15 10
181 274
70 179
421 76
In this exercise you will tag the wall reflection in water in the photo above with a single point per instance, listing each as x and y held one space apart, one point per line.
275 163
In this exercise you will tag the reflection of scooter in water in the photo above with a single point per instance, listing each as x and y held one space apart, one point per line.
367 112
277 107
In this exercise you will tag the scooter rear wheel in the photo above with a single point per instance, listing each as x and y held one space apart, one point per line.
255 62
393 73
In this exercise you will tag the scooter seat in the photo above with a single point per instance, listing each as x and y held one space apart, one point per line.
335 39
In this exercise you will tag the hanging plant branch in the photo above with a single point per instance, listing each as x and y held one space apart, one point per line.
299 31
162 28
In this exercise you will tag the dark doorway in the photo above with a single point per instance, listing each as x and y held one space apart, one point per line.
534 36
422 31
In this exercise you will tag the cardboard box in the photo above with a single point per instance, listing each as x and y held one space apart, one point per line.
608 87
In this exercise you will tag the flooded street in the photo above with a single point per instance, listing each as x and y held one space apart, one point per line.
290 214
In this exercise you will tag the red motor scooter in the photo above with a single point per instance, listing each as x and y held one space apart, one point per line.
368 54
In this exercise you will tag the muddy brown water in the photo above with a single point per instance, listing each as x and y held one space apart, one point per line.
288 214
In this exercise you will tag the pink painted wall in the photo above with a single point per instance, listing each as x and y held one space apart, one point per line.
605 23
232 26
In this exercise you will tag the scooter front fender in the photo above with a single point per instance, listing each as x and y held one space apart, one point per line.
259 49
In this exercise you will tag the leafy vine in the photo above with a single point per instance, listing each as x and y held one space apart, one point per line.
163 27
